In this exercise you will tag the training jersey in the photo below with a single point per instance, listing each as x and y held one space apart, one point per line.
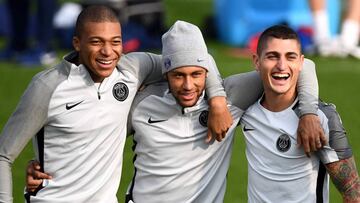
172 161
278 170
80 128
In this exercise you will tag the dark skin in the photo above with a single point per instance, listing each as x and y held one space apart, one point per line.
310 134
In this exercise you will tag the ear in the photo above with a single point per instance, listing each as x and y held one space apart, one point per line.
256 61
76 43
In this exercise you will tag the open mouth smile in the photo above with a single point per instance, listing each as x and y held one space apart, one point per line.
280 76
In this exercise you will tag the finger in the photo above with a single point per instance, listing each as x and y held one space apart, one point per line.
34 183
224 133
208 137
37 166
218 137
30 190
323 139
41 175
306 147
318 143
313 145
34 164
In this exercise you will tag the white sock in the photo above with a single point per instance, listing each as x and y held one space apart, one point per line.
350 33
321 27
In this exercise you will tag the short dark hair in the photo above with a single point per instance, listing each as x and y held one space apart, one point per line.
94 13
278 32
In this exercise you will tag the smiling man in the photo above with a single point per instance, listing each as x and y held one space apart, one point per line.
169 121
278 171
172 162
77 113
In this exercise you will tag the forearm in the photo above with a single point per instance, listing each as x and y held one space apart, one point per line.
243 89
308 89
5 180
214 86
346 179
146 67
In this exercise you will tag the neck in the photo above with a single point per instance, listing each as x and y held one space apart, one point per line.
278 102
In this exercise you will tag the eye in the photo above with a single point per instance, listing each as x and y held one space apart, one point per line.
292 57
197 74
178 75
117 42
272 57
95 42
175 75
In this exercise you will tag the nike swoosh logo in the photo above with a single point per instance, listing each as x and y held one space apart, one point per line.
70 106
200 60
248 129
155 121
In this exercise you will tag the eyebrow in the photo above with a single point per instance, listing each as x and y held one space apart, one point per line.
100 37
277 53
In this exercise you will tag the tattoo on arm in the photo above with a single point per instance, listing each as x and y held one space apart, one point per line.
346 179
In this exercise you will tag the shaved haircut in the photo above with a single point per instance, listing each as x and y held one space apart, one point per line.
96 14
278 32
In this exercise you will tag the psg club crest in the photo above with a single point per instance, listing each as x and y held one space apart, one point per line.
283 143
120 91
203 118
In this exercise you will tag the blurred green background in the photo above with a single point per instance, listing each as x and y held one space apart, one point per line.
339 81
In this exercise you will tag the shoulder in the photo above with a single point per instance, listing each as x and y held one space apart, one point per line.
134 61
50 78
155 89
337 134
333 118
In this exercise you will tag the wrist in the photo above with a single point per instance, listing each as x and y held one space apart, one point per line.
218 101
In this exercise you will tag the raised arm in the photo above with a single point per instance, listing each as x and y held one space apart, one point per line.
310 133
243 89
219 119
308 89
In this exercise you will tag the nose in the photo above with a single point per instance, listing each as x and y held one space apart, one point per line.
282 63
106 49
188 83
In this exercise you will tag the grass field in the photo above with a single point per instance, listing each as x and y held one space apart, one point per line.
339 81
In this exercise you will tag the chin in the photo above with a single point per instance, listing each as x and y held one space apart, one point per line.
280 90
187 104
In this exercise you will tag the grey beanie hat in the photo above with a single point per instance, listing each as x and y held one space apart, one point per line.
183 45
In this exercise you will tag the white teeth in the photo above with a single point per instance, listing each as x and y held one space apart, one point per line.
105 62
280 75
